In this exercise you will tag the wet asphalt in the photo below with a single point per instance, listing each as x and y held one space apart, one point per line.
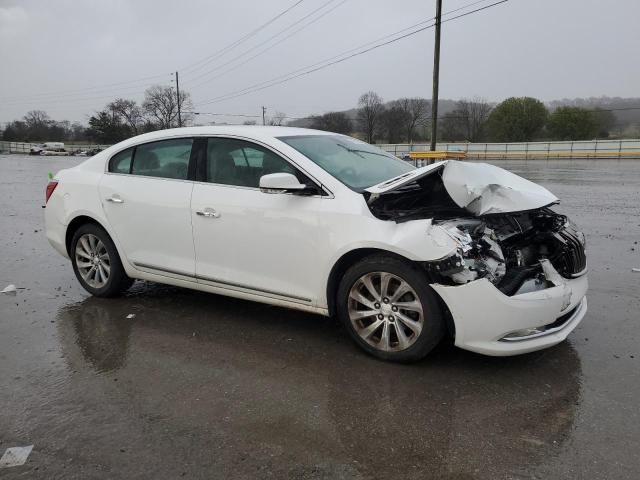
203 386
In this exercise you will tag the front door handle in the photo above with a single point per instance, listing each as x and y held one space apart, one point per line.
208 212
114 199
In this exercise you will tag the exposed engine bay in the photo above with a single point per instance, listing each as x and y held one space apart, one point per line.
502 224
507 249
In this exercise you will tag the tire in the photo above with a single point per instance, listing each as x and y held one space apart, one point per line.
96 262
409 311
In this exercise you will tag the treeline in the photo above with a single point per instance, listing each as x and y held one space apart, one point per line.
118 120
516 119
406 120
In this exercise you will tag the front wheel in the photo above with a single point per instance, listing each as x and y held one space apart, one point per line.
389 309
96 262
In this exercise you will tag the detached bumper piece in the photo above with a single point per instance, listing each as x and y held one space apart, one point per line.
489 322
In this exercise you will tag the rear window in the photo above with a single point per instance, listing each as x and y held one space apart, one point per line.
121 162
165 159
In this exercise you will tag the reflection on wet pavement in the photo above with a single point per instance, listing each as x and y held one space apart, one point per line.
291 386
203 386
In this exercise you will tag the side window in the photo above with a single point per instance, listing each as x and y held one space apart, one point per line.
165 159
121 162
236 162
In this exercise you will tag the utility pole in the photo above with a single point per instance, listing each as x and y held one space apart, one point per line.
178 95
436 77
264 110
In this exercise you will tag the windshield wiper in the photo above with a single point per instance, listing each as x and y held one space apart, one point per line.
357 151
350 150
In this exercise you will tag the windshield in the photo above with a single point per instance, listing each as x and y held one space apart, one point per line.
357 164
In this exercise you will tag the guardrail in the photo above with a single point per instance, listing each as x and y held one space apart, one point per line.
628 148
25 148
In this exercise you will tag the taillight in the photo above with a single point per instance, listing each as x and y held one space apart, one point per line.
51 186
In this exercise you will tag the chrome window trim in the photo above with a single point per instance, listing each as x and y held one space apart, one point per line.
136 145
151 177
319 184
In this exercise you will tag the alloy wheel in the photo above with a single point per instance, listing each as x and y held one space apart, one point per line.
92 260
385 311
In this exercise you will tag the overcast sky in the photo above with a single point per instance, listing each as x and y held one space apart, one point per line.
70 57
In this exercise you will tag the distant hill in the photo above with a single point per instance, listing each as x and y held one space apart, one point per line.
444 105
625 110
627 117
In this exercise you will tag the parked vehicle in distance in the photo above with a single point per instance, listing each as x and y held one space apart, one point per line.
49 149
328 224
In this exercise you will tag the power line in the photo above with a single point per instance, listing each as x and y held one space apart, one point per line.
242 39
291 76
244 115
69 92
379 39
58 100
59 96
267 40
89 90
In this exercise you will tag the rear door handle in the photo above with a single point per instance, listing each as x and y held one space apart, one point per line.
208 212
114 199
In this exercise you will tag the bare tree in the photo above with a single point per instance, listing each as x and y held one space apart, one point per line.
467 121
161 104
451 127
130 112
473 117
416 112
36 119
370 109
393 122
37 123
337 122
277 119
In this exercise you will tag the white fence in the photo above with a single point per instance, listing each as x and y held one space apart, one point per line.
25 148
577 149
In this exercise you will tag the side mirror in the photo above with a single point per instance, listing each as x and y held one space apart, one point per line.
280 183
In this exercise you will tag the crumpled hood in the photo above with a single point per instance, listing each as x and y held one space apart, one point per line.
480 188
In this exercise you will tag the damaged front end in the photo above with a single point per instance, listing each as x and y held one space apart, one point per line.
509 250
516 281
501 222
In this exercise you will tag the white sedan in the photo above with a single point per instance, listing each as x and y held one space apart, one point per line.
328 224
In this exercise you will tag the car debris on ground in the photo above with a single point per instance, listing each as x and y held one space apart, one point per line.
9 289
15 456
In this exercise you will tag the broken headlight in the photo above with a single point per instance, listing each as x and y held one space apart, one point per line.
479 255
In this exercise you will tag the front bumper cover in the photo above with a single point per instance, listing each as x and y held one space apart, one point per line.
483 315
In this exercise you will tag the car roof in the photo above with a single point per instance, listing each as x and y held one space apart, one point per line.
253 131
259 133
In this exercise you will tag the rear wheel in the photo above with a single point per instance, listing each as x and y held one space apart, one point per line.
389 309
96 262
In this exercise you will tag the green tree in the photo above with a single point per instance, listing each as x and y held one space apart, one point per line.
572 123
107 127
605 121
517 119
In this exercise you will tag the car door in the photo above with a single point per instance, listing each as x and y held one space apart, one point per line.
253 241
146 196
